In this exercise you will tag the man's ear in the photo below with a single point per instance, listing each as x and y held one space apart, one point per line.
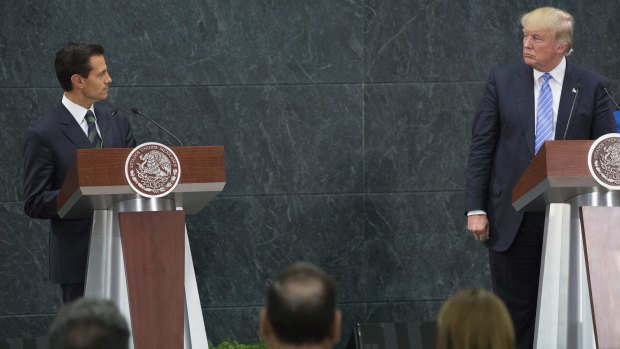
334 333
77 81
561 48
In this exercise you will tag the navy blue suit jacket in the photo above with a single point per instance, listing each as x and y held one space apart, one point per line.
49 150
503 138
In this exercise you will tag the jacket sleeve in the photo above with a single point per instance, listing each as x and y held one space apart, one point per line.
129 141
39 171
603 121
485 132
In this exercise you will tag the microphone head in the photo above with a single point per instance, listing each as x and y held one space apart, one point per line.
135 111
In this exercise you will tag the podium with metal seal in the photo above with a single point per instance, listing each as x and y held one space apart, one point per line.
139 255
576 300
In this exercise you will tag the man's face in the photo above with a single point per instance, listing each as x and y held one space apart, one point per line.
96 84
540 51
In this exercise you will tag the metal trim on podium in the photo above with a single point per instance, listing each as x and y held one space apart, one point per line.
96 184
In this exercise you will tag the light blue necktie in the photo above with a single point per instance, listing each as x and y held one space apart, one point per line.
93 136
544 118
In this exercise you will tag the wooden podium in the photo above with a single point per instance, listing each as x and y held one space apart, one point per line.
139 254
573 296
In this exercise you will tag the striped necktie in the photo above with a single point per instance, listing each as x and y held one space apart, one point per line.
93 136
544 117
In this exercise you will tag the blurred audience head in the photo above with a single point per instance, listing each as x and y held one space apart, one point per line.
474 319
301 309
89 324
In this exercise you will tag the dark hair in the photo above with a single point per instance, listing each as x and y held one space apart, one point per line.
301 303
89 324
73 58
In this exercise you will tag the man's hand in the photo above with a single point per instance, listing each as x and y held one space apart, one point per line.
478 225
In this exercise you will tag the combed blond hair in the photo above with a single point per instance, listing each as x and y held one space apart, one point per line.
550 18
474 318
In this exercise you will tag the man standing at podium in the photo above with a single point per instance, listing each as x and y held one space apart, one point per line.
543 98
49 150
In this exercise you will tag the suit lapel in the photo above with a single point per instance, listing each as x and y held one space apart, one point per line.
524 87
566 101
71 129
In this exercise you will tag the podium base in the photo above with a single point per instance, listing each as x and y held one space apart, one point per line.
107 276
564 314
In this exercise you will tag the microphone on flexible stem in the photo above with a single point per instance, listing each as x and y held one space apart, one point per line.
576 89
611 98
112 115
137 112
617 112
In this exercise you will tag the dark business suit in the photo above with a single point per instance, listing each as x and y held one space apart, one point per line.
502 145
49 150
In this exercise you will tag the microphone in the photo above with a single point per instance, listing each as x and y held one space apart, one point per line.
137 112
617 112
576 89
112 115
611 98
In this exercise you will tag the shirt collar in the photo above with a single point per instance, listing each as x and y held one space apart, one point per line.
77 110
557 73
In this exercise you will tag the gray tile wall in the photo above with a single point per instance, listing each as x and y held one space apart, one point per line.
345 122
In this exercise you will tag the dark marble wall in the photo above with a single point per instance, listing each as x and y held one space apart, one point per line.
345 122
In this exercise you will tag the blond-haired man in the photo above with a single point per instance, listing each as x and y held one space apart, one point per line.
542 98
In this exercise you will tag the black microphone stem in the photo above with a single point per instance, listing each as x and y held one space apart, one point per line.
112 115
570 115
137 112
610 97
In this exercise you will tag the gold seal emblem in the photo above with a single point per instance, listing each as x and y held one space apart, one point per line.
604 161
152 170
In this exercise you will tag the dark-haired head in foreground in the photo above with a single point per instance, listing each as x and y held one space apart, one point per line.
301 310
89 324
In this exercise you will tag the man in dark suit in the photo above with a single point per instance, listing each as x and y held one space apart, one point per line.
521 107
49 150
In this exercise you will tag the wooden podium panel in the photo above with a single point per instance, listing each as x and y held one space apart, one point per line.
601 238
154 254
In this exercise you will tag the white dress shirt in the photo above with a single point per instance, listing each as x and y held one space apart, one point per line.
556 81
79 114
